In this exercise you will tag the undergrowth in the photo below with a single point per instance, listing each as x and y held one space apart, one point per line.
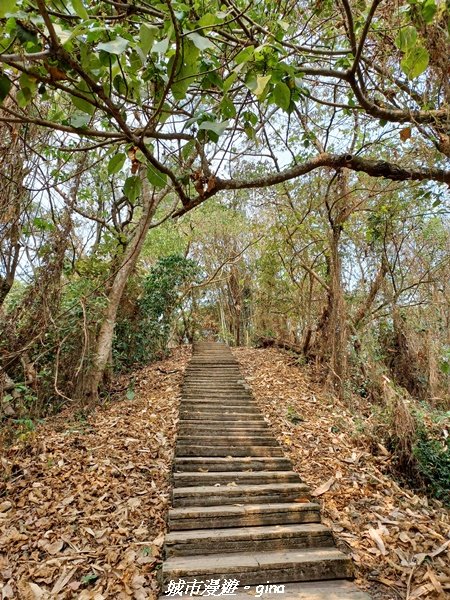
417 439
433 463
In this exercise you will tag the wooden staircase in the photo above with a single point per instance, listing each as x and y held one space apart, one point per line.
240 513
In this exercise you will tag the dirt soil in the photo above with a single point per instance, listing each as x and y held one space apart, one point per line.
399 540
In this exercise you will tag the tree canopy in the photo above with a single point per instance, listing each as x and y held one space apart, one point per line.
117 115
189 88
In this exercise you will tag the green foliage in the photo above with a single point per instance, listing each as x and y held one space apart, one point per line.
433 460
143 335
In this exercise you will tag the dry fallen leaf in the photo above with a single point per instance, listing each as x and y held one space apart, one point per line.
376 536
324 487
55 547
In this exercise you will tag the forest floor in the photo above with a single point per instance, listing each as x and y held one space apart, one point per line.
83 497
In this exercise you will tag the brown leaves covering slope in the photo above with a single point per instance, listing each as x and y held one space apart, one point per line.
83 501
400 541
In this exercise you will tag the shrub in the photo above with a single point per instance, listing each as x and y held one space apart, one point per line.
143 335
433 462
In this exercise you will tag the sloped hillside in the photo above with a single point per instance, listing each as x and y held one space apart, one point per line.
400 541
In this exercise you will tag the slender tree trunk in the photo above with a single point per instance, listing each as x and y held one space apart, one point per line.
105 336
337 321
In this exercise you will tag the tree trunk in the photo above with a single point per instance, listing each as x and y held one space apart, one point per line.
105 336
337 322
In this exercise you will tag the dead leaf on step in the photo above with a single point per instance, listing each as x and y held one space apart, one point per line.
302 500
324 487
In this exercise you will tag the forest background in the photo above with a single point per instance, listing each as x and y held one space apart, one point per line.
261 173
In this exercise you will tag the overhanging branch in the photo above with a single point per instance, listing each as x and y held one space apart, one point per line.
374 168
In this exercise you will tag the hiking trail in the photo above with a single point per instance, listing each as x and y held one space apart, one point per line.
239 511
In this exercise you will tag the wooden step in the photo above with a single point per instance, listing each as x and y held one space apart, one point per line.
248 463
217 399
223 439
231 436
211 495
187 449
239 477
224 409
216 412
215 422
248 539
239 428
215 403
208 517
196 415
251 568
227 381
339 589
239 510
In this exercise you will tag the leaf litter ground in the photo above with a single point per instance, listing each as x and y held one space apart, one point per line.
399 540
83 500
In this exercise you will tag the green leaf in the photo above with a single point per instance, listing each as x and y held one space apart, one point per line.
244 55
7 6
200 41
130 394
227 108
132 188
406 38
229 81
208 20
189 68
5 86
155 177
218 128
187 149
161 46
116 163
415 62
146 37
83 105
261 82
28 87
25 35
79 120
22 98
429 9
282 95
89 578
43 224
117 46
79 8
